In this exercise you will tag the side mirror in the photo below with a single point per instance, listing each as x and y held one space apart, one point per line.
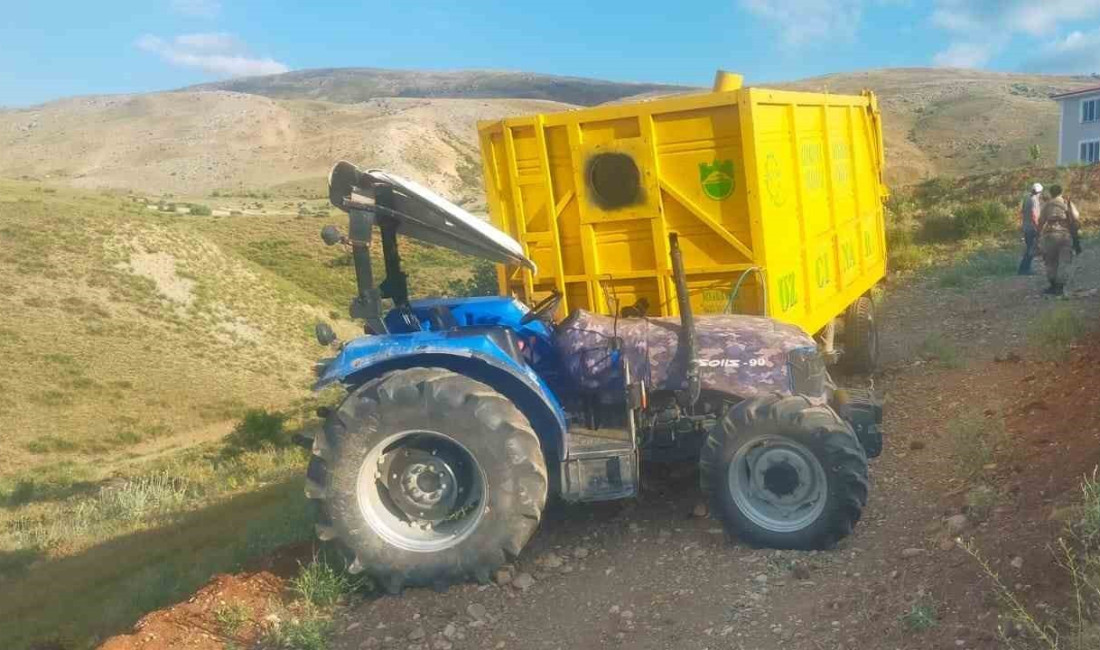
323 332
331 235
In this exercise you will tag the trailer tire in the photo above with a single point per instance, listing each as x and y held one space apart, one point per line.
783 473
860 337
427 478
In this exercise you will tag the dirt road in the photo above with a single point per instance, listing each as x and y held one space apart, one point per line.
649 574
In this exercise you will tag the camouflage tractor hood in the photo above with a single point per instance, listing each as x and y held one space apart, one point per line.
742 356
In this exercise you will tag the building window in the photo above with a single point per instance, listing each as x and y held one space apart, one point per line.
1090 110
1090 151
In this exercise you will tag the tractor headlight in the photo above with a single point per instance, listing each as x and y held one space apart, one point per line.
806 368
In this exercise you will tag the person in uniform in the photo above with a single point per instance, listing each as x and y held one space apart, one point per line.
1058 222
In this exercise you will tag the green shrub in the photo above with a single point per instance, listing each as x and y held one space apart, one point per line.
955 277
231 617
307 632
200 210
1056 329
932 191
258 430
923 615
906 258
137 499
974 441
320 585
483 282
1089 524
898 235
985 218
981 263
936 348
939 227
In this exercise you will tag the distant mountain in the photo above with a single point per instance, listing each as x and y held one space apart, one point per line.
350 85
955 122
265 131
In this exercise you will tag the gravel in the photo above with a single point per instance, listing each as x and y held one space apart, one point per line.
477 612
956 524
523 581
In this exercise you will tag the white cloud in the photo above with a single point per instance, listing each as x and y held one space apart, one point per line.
981 28
1077 53
803 21
219 54
963 55
197 8
210 42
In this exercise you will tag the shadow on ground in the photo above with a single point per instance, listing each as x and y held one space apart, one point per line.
74 601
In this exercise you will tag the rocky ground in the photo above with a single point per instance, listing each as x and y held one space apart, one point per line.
657 573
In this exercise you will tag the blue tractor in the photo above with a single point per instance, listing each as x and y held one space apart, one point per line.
464 415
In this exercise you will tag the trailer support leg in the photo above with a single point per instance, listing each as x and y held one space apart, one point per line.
828 343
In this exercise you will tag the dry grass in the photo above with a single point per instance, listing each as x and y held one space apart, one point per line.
974 441
1055 330
1077 552
121 353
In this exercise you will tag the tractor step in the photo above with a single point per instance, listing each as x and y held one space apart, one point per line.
602 466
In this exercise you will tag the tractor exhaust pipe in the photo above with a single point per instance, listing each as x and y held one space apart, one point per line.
687 323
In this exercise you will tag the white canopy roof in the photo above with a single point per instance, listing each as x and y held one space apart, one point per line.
428 217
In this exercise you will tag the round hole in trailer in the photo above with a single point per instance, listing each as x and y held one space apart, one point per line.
614 180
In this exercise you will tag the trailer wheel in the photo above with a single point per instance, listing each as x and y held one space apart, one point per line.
860 337
428 478
783 473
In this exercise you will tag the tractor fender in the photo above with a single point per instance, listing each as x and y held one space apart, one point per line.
489 357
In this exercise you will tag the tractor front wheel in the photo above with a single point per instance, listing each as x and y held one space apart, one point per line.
783 473
428 478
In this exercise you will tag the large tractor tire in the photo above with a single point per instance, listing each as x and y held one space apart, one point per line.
860 337
428 478
783 473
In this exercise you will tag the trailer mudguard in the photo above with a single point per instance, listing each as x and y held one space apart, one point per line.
488 354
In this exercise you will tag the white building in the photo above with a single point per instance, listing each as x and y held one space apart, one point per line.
1079 132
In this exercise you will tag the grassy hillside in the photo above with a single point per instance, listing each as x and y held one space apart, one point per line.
351 85
131 327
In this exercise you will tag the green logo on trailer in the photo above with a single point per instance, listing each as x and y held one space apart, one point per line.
717 179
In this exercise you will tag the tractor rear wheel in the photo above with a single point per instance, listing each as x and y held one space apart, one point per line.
428 478
860 337
783 473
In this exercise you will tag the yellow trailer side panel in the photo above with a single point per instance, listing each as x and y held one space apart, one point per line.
780 192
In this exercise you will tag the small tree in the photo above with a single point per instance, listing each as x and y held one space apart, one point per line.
483 282
1035 152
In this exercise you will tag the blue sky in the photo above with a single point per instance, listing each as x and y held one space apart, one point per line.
59 48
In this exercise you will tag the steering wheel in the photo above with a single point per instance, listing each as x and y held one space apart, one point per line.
544 310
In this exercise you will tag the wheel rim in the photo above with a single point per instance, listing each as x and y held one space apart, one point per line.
421 491
778 484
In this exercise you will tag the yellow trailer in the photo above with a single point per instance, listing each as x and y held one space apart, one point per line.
777 199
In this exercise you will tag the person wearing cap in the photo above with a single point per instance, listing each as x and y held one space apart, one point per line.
1029 218
1057 224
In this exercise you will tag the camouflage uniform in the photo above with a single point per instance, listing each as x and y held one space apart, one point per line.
1056 224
